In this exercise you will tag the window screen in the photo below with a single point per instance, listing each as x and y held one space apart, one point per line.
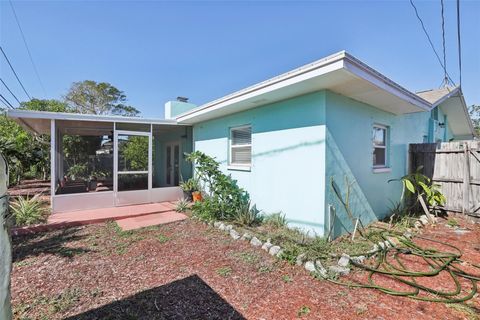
241 146
379 146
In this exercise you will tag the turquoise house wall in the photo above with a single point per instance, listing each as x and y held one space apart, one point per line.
288 157
349 155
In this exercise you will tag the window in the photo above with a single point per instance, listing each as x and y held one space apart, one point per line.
380 146
241 146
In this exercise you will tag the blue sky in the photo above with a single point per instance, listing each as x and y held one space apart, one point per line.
158 50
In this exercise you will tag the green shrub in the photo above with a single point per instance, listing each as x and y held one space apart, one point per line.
191 185
27 211
276 220
247 215
223 195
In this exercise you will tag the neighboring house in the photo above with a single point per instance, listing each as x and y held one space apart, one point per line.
288 139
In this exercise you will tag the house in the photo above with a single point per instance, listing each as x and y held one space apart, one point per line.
298 143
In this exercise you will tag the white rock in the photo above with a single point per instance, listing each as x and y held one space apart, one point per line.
339 270
217 224
228 228
358 259
255 242
267 245
221 227
424 220
417 224
320 269
344 260
234 234
246 236
274 250
310 266
300 259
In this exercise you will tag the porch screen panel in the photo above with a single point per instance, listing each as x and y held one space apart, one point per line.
132 162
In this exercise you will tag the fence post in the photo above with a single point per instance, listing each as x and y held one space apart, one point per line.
466 179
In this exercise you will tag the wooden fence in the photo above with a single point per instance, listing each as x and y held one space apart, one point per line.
455 166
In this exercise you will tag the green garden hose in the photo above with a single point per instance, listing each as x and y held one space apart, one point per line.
438 261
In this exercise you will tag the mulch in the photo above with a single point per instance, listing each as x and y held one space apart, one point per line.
186 270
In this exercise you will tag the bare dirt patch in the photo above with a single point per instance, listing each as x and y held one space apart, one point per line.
187 270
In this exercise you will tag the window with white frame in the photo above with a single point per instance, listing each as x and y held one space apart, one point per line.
241 146
380 146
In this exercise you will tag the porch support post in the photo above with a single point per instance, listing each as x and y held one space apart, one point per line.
53 168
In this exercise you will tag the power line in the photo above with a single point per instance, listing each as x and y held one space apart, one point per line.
16 76
430 41
445 78
459 43
6 102
10 91
28 49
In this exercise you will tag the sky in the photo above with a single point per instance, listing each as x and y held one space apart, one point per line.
157 50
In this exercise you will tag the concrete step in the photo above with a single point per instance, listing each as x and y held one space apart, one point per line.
150 220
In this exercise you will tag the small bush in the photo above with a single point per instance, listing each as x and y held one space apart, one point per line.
223 195
247 215
27 211
276 220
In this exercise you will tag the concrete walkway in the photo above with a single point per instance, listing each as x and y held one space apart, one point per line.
127 217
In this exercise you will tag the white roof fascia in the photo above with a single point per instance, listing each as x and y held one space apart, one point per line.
28 114
328 63
331 63
467 114
445 97
379 80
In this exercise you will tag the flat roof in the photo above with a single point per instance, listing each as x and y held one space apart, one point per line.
39 121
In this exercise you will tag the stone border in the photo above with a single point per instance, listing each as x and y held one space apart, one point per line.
313 267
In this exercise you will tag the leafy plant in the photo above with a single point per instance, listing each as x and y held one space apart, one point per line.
182 205
224 196
27 211
416 185
78 171
191 185
247 215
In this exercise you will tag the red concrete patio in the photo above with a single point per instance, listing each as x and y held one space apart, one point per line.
128 217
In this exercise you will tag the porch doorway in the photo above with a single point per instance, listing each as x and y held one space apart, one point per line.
172 162
132 167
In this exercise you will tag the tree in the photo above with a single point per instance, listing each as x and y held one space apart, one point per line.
27 152
475 115
98 98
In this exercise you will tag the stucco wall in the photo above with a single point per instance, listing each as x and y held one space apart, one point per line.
349 154
288 156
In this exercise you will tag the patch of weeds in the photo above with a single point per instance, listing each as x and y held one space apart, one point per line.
71 252
303 311
162 238
248 257
286 278
276 220
452 222
265 269
96 293
121 248
361 309
224 271
469 312
182 205
23 263
65 300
